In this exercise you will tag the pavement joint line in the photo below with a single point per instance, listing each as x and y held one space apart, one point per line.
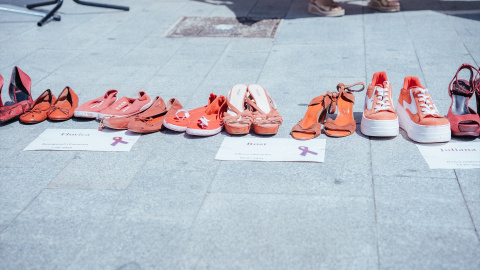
466 205
374 205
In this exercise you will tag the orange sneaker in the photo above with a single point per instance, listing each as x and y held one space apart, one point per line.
91 108
418 116
210 121
182 118
379 118
127 106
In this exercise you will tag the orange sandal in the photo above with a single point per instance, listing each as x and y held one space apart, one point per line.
344 124
311 124
266 119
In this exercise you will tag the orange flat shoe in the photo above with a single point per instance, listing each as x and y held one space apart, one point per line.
39 111
344 124
65 105
311 124
153 122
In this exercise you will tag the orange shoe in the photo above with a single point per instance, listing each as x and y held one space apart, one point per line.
418 116
65 105
266 119
153 120
182 118
39 111
210 121
379 118
121 122
91 108
311 124
237 119
127 106
344 124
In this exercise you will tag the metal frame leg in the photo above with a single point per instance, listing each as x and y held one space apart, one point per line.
101 5
55 17
50 13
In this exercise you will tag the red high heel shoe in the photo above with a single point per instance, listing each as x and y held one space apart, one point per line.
20 94
464 121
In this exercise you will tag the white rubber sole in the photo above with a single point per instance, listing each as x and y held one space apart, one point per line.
379 128
174 127
83 114
421 133
144 108
203 132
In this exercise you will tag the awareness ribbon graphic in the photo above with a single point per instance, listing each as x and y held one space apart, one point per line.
305 151
118 140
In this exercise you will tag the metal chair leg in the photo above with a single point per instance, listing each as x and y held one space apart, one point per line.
101 5
49 14
55 17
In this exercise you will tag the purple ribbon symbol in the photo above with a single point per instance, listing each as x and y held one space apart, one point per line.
305 151
118 140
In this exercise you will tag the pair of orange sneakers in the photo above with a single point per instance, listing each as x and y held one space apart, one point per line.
416 113
203 121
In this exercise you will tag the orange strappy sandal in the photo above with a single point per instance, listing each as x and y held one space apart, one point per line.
266 119
344 124
311 124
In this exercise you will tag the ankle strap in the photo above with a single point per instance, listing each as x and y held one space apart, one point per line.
459 87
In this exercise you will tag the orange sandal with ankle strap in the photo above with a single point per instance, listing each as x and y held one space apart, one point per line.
311 124
344 124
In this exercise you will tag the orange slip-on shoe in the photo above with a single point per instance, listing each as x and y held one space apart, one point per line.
464 121
311 124
152 123
19 91
126 106
419 116
40 109
344 124
91 108
64 106
209 122
379 118
182 118
121 122
266 119
238 118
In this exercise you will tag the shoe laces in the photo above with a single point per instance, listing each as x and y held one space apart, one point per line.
428 108
203 122
185 115
383 103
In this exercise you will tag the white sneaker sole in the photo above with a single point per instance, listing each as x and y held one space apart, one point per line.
144 108
379 128
421 133
84 114
174 127
203 132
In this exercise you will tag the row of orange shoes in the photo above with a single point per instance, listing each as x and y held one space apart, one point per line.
415 111
29 111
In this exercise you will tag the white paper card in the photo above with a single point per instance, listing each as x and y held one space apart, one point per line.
451 155
83 140
268 149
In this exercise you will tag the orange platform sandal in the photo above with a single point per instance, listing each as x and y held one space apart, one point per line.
344 124
311 124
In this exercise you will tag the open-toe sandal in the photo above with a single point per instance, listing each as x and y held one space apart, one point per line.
327 8
344 124
266 119
311 124
385 5
464 121
238 117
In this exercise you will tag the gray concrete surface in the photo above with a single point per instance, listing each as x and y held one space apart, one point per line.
167 204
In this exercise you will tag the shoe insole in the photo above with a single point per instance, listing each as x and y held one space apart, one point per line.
260 96
237 98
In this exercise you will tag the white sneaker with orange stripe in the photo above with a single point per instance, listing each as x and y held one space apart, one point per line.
418 116
379 118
